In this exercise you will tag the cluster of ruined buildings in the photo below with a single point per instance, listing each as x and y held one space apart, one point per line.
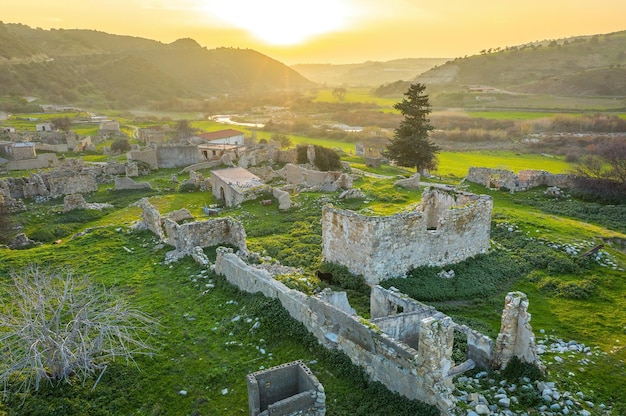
406 345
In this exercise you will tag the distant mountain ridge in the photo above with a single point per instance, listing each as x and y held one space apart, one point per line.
369 73
123 71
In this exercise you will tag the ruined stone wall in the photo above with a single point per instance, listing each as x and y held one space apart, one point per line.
44 160
184 237
328 181
447 228
525 179
396 314
417 374
516 337
146 156
177 156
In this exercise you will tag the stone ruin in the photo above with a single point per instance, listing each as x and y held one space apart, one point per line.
77 201
73 177
188 236
329 181
524 180
447 227
406 345
516 336
287 389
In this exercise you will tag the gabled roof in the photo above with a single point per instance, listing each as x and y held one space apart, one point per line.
221 134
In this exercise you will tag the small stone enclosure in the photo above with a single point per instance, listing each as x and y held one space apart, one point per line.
447 227
285 390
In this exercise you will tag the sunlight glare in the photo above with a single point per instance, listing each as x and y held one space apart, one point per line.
282 22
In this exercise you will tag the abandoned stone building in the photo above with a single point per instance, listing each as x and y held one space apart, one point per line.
524 180
235 185
447 227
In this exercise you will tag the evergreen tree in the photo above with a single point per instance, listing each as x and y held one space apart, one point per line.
411 145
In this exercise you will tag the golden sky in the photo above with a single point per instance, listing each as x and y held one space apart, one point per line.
331 31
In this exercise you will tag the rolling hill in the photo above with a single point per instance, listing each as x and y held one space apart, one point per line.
586 66
86 66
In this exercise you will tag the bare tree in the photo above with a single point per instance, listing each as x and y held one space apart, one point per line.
56 326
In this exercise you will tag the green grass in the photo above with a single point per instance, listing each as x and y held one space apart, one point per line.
457 164
357 95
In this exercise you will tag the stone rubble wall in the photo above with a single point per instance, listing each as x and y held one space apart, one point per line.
123 183
448 229
524 180
397 313
42 161
516 336
328 181
417 374
185 237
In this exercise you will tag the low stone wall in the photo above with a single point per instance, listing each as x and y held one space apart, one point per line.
327 181
43 161
447 227
525 179
122 183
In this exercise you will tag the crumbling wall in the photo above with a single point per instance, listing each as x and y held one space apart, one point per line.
525 179
447 227
42 161
516 337
398 315
123 183
148 156
328 181
419 374
184 237
177 156
8 204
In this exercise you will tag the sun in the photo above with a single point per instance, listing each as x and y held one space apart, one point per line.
282 22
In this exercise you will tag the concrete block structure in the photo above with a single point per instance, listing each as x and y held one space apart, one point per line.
286 389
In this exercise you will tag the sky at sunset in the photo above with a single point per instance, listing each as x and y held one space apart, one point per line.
331 31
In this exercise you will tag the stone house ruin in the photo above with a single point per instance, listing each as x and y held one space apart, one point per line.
235 185
286 389
327 181
44 127
447 227
524 180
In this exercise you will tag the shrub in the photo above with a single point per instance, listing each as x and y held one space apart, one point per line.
120 146
188 187
344 278
516 369
326 159
57 326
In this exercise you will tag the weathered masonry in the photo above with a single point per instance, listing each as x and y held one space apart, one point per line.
406 345
524 180
447 227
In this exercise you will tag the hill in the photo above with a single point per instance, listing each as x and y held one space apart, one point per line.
86 66
587 66
367 73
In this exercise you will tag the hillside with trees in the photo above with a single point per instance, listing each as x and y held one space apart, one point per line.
99 69
586 66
